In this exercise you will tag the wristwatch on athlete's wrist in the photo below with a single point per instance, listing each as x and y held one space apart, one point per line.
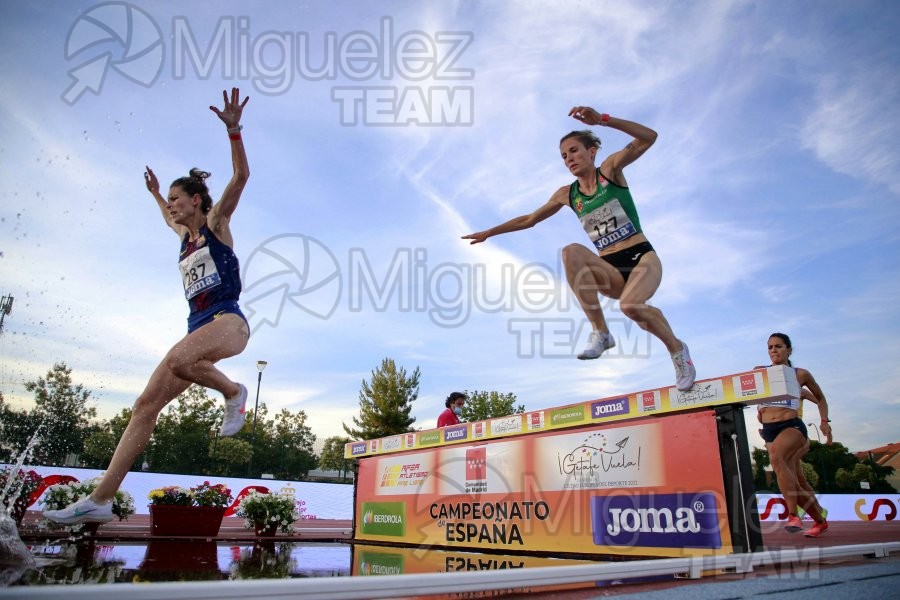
826 420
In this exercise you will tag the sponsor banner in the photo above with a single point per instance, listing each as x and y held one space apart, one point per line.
748 384
535 420
540 492
571 415
404 474
659 520
494 468
429 438
456 433
610 408
648 402
383 519
772 384
595 459
505 426
704 393
841 507
392 443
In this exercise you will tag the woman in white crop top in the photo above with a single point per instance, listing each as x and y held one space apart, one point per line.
786 440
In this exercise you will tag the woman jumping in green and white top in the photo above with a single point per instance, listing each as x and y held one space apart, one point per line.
624 266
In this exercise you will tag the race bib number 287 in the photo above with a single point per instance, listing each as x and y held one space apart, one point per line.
198 273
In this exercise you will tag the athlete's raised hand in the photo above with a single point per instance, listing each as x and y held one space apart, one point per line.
586 115
231 114
151 181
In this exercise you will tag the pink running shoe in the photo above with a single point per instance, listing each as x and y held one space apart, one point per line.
794 524
817 529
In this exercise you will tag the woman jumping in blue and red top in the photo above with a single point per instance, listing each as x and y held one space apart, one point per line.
216 327
623 265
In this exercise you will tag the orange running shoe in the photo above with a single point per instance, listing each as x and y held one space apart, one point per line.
794 524
817 529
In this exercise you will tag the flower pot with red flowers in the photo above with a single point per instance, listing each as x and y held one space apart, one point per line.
194 512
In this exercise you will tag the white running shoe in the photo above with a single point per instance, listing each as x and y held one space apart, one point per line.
598 342
685 373
234 413
83 511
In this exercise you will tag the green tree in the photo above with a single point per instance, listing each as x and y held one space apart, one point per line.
826 460
849 479
385 404
100 445
16 429
878 484
184 430
332 457
62 408
810 474
291 453
489 405
231 455
760 462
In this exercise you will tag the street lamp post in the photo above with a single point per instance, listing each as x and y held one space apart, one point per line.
260 365
215 433
821 458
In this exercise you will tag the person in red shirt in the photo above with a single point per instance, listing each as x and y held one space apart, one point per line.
454 404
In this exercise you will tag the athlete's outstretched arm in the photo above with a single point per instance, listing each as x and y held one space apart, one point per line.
549 209
153 185
220 214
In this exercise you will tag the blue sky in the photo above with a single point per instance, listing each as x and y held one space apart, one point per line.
771 194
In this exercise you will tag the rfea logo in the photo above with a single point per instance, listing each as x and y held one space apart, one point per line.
656 520
358 448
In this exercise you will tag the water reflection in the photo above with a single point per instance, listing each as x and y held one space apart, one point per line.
86 561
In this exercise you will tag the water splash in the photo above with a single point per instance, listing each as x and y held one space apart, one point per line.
12 550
